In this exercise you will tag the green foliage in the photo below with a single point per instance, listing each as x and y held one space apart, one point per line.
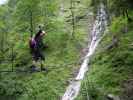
120 7
27 14
62 54
90 91
118 25
110 67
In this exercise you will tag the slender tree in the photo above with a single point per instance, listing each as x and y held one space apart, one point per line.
4 27
27 15
121 7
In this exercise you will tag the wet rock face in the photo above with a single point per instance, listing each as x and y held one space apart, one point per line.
127 93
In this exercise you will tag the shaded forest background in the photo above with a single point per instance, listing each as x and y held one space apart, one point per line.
66 24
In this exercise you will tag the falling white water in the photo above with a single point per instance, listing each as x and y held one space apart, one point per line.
97 34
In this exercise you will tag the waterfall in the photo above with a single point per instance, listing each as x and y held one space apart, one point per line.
99 28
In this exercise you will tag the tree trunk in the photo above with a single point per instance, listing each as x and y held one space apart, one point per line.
73 18
31 24
127 15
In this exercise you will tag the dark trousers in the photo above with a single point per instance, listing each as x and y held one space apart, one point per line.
37 54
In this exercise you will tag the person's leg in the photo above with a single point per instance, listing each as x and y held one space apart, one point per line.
41 62
35 61
41 54
33 67
42 65
41 58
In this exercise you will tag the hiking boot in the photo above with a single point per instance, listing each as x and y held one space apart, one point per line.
33 68
44 69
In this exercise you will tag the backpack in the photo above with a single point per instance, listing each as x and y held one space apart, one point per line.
32 43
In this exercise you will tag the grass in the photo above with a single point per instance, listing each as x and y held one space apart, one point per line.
110 68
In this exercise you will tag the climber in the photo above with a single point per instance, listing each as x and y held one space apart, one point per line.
36 47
